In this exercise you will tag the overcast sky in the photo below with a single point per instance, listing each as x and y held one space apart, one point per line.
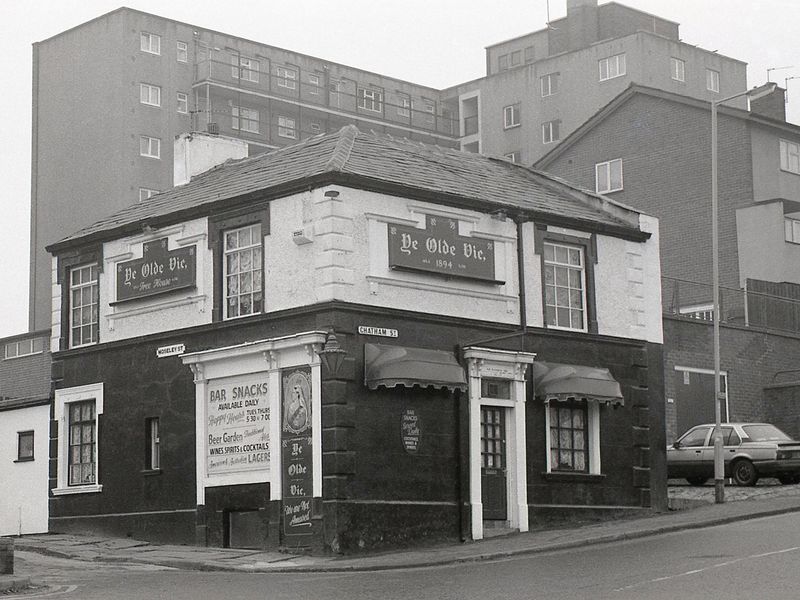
433 42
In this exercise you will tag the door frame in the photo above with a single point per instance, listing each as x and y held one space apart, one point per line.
510 366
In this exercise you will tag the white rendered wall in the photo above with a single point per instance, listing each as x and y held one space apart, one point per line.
627 283
163 312
24 496
335 247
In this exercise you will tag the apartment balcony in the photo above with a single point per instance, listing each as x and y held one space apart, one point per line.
343 100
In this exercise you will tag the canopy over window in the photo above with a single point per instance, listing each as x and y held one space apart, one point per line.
390 366
557 381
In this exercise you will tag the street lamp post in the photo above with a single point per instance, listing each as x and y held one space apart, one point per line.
719 465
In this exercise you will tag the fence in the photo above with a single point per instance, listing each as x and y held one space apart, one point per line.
760 304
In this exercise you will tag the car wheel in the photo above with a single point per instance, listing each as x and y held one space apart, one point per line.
696 480
789 478
744 473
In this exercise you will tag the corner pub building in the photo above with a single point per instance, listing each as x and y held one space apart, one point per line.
354 343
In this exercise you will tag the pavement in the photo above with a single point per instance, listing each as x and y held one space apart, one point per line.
696 503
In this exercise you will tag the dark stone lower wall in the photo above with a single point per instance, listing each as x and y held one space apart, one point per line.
214 517
167 527
354 526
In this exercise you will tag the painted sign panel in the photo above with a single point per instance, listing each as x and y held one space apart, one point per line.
410 430
237 430
158 271
440 249
297 455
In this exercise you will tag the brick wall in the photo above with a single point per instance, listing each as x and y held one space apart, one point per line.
751 358
26 376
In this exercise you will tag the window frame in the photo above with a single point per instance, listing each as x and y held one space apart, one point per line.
558 266
228 221
313 82
789 156
148 152
514 156
515 58
619 66
146 93
243 119
19 353
677 68
182 102
27 457
184 51
245 68
372 95
592 439
511 116
553 82
65 397
589 246
287 77
574 407
712 80
551 131
285 129
607 165
150 37
152 459
502 62
71 287
405 107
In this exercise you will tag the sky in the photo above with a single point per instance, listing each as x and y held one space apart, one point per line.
437 43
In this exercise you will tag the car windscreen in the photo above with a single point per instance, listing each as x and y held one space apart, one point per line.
764 433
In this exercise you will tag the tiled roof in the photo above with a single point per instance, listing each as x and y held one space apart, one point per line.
377 160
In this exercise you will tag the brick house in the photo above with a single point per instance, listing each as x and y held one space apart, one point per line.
650 149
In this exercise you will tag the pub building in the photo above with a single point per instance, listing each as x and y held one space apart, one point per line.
355 343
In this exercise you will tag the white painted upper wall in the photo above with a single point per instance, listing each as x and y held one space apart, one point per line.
24 498
322 247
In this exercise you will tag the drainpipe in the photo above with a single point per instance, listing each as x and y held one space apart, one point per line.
523 317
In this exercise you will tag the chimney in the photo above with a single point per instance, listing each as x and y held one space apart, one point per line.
582 23
197 152
772 106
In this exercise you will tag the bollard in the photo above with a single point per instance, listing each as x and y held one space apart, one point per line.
6 556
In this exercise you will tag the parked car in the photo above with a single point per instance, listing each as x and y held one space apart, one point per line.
751 450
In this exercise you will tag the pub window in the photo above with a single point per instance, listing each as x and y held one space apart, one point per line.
24 446
84 303
153 444
82 452
569 436
242 271
564 286
77 412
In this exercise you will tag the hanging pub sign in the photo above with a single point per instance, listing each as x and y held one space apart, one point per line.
297 456
158 271
440 249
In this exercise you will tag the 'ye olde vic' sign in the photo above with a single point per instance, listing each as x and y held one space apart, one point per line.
439 249
158 271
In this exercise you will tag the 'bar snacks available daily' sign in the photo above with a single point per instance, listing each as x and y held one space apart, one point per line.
237 430
158 271
440 249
